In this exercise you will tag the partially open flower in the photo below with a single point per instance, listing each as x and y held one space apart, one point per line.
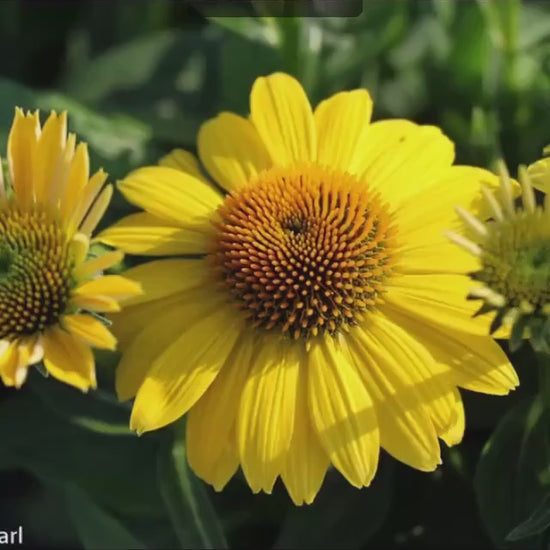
51 289
513 250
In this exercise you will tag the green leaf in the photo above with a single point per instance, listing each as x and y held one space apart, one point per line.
117 471
513 473
193 516
96 410
95 527
536 524
341 516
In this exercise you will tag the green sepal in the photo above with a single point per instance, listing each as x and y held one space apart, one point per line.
485 308
518 330
100 318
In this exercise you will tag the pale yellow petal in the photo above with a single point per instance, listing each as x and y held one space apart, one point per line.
341 122
184 161
97 210
266 414
69 359
9 361
231 150
539 173
180 376
149 235
342 413
78 179
281 113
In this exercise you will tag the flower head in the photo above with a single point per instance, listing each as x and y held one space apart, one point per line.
51 290
312 312
513 253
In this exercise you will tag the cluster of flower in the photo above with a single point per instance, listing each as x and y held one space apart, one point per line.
308 304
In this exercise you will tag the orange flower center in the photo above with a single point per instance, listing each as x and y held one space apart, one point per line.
35 275
304 249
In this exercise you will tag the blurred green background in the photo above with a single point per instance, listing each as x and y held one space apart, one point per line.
138 78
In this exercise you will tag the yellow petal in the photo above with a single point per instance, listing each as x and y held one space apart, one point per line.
97 210
437 297
539 173
266 414
69 359
211 422
406 430
145 332
22 142
281 112
49 152
113 286
97 265
9 361
453 434
184 161
88 196
342 413
181 375
150 235
340 123
92 331
78 179
172 195
306 461
161 278
401 159
414 370
477 362
231 150
435 206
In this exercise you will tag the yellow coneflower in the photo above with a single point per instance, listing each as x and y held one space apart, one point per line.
312 311
513 254
51 291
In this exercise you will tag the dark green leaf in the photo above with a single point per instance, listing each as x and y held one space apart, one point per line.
95 527
537 523
341 516
513 473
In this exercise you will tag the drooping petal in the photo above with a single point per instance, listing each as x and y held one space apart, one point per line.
231 150
406 430
342 413
266 414
340 122
281 113
477 361
69 359
172 195
112 286
306 461
181 375
92 331
211 422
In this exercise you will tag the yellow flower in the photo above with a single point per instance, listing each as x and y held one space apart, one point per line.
313 311
50 291
513 261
